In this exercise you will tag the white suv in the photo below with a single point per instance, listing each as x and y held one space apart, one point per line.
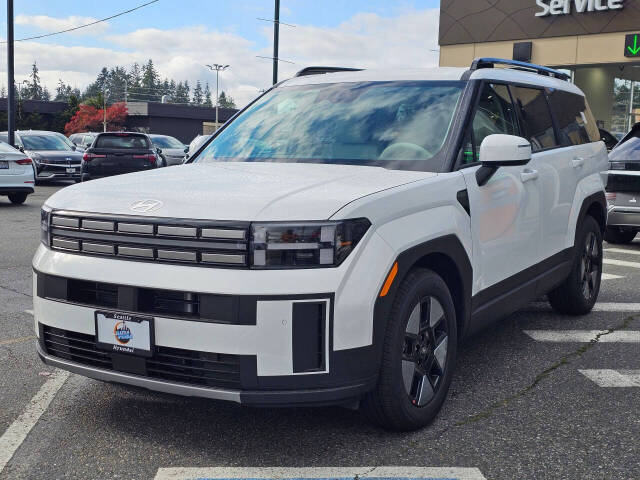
333 242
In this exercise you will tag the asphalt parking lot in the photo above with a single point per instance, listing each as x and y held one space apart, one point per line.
537 396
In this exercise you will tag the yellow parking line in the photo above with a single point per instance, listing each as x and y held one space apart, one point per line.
17 340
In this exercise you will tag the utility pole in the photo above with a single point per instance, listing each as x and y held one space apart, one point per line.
218 68
276 41
11 114
104 110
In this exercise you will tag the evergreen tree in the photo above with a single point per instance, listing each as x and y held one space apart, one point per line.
207 96
151 82
226 101
197 94
3 92
182 94
33 90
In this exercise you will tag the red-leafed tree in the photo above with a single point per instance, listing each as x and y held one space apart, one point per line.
89 119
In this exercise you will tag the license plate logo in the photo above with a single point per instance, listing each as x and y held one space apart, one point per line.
124 333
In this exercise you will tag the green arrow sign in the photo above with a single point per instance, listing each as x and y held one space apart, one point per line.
632 45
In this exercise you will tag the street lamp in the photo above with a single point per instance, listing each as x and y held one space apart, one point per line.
218 68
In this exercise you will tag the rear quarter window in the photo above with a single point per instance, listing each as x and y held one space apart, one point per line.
628 150
133 142
576 125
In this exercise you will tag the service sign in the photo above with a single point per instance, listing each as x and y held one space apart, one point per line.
567 7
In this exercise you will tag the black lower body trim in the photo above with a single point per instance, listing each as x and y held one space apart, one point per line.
9 190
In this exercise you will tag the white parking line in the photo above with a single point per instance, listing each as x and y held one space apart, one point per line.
15 434
613 378
608 276
622 250
346 473
620 263
584 336
598 307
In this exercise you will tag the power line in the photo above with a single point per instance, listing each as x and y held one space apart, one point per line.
85 25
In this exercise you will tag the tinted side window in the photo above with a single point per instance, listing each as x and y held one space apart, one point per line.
570 112
535 117
494 115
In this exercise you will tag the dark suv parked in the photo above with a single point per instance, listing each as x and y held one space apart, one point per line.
53 158
113 153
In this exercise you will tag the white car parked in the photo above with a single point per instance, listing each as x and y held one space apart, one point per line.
17 176
333 243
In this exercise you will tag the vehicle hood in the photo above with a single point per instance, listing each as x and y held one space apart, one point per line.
56 156
234 191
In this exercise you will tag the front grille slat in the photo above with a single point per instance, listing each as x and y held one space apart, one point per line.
185 242
168 363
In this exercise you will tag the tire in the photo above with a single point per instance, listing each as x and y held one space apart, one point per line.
401 400
17 198
578 293
617 235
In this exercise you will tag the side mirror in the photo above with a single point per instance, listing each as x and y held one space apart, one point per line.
159 150
21 148
74 148
501 151
186 149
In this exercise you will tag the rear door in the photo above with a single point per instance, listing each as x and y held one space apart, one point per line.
124 153
566 166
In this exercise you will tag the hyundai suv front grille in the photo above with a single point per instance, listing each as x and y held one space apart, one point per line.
188 242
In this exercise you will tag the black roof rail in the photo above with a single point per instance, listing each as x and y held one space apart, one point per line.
480 63
320 70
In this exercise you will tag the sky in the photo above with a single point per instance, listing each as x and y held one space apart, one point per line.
182 36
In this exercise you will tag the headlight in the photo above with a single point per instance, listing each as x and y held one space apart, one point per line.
45 215
616 166
304 244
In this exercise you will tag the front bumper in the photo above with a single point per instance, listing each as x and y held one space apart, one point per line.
256 318
48 171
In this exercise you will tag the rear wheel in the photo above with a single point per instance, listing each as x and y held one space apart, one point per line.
578 293
419 355
17 198
619 235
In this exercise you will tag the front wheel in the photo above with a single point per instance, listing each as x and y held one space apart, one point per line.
17 198
578 293
617 235
419 357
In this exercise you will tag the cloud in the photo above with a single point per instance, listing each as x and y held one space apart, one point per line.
366 40
52 24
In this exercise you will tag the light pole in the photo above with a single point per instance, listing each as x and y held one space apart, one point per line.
104 110
11 112
218 68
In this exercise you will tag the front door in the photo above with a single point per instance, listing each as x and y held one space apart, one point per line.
505 213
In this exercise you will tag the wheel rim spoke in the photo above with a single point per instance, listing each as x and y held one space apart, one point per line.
408 372
413 325
423 390
440 352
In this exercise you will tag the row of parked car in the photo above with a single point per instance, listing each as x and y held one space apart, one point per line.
42 155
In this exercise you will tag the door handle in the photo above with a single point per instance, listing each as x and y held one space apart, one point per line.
528 175
577 162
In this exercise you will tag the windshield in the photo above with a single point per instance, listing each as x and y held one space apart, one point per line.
167 142
390 124
43 142
627 151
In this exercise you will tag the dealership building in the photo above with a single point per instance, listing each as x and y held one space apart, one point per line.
596 41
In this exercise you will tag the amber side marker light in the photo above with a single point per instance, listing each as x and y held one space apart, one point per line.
389 281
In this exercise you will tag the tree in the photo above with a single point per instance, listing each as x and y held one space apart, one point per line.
182 94
89 118
150 82
33 90
197 94
226 101
207 96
